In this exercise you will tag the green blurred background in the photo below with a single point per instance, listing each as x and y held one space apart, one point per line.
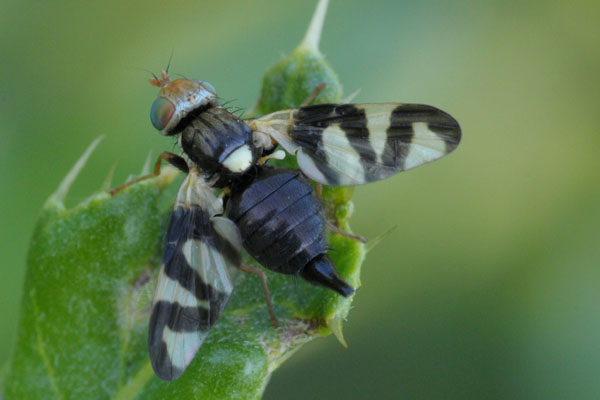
490 286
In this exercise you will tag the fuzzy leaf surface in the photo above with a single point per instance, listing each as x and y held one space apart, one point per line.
91 272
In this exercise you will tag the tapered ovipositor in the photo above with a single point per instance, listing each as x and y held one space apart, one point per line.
321 271
59 196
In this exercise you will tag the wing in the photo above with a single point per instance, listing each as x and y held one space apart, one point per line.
200 264
352 144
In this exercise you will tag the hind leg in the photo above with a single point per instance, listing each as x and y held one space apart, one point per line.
263 279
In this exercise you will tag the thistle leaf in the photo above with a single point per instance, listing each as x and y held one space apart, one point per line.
91 272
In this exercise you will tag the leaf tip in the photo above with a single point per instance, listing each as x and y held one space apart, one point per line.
61 193
290 81
351 96
147 164
374 242
313 33
335 325
106 185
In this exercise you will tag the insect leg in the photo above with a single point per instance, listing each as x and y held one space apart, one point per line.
319 190
263 278
225 192
314 94
337 230
172 158
278 155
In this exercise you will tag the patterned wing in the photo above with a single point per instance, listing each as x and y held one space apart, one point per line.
200 265
352 144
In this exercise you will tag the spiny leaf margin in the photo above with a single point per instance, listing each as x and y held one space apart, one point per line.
91 272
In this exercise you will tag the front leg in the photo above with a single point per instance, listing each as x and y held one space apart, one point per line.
172 158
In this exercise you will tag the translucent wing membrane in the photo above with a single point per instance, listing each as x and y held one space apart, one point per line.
200 265
352 144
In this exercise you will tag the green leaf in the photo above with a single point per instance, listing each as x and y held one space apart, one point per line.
91 272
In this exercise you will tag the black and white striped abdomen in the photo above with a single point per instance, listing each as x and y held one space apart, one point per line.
280 220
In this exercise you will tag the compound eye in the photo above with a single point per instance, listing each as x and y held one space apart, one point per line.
161 113
209 86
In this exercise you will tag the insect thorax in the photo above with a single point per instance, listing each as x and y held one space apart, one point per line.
219 142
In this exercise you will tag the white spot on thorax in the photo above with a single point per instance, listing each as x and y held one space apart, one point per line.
239 160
